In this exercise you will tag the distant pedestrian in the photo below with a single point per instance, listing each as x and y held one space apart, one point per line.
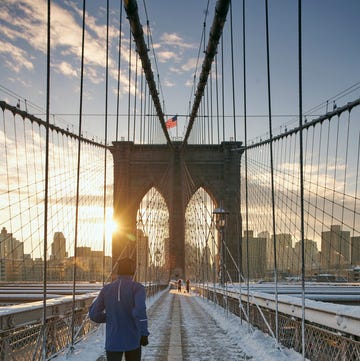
179 282
121 305
187 285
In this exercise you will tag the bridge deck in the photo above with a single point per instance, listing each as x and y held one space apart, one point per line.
183 330
186 327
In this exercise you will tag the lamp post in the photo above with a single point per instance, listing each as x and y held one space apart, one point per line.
220 215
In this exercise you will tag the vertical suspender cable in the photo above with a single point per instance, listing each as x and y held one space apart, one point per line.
135 91
246 173
356 184
222 87
301 186
149 117
324 197
232 69
118 76
145 109
217 99
149 108
141 106
240 248
211 140
78 178
105 131
44 314
207 112
272 171
129 83
345 174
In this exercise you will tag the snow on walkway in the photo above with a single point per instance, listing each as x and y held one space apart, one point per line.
203 332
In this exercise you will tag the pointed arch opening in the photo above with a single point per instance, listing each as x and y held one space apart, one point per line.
201 251
152 238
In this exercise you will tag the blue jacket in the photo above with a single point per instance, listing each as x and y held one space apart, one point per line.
121 304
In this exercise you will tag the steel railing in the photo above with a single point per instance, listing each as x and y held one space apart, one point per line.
23 334
322 343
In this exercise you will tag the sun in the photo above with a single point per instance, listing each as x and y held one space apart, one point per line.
111 227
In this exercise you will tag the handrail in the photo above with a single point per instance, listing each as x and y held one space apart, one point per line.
345 319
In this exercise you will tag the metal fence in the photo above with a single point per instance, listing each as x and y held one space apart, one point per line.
24 337
322 343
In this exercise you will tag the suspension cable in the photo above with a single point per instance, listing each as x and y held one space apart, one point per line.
232 69
106 134
356 182
46 199
135 94
301 182
129 85
272 174
138 34
221 10
246 171
217 99
223 89
78 176
118 75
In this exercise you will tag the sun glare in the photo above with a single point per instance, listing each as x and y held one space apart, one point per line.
111 227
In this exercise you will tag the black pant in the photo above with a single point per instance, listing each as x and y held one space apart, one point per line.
133 355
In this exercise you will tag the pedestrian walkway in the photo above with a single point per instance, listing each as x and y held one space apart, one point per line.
180 329
185 327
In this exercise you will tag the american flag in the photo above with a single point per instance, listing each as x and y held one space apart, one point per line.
171 123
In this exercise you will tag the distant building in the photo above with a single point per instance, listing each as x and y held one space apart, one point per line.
355 251
335 248
91 265
11 257
253 255
311 256
58 247
285 257
56 265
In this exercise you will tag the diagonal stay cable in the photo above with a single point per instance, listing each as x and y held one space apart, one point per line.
221 10
131 9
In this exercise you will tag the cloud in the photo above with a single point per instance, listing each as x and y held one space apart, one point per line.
19 58
166 55
66 69
189 83
190 64
169 83
174 39
24 25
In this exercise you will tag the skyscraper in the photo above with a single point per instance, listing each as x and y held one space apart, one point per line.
58 247
355 251
255 259
335 247
11 257
284 252
311 256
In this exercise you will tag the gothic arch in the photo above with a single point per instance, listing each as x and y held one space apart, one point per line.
137 168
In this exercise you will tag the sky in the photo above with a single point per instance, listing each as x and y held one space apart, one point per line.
330 59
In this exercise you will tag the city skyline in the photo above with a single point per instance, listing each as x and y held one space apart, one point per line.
335 242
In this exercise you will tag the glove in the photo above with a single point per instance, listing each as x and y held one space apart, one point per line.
144 340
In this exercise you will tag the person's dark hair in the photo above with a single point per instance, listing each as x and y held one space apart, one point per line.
126 266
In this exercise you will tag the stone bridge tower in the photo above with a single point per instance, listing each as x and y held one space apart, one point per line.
138 168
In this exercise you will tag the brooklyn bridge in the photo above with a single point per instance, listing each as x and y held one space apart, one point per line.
265 225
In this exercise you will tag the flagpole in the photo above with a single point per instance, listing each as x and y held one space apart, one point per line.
176 128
